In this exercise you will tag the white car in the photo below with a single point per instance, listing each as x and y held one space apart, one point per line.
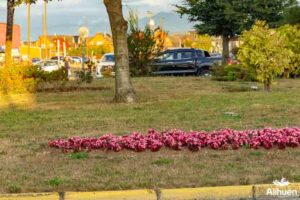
76 59
49 65
1 59
107 61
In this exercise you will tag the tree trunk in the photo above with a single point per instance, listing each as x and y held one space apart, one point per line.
9 31
124 91
286 73
225 50
267 86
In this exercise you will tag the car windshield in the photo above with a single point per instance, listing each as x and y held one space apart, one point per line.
49 63
168 56
108 58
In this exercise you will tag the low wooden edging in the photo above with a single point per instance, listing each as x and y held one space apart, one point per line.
217 193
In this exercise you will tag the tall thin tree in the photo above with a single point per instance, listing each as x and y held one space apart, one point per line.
124 91
28 31
11 4
9 31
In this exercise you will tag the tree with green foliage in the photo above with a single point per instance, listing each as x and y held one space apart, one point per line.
292 37
143 45
264 51
228 18
203 42
292 15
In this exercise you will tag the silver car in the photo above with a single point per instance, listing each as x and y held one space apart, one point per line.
49 65
106 62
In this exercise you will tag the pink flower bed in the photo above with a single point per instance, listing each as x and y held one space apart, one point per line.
176 139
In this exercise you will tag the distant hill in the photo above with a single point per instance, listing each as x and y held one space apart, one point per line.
173 23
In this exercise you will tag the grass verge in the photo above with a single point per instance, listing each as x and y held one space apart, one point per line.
28 165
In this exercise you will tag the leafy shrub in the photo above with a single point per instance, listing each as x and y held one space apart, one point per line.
232 73
143 46
14 79
84 77
55 181
291 34
264 51
14 188
43 76
23 78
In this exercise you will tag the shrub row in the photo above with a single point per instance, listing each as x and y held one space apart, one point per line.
233 73
22 78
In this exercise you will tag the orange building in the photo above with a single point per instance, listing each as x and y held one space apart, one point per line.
16 36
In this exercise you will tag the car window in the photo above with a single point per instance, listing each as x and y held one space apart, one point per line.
199 54
169 56
49 63
108 58
185 55
206 54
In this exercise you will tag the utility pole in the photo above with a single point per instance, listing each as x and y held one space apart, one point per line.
45 27
28 31
86 24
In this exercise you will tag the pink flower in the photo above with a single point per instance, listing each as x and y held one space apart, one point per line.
176 139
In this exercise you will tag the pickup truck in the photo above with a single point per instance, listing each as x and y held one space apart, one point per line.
185 61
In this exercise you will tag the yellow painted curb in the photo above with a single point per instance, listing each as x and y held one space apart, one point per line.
112 195
226 192
42 196
207 193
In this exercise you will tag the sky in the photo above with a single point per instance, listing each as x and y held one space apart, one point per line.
66 16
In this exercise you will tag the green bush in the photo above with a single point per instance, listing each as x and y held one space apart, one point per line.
42 76
22 78
14 79
232 73
84 76
55 181
14 188
266 52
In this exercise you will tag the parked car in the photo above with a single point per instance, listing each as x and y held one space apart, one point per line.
49 65
86 60
76 59
35 61
232 60
60 60
185 61
107 62
2 56
215 55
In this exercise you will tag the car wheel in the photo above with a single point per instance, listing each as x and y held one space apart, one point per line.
204 73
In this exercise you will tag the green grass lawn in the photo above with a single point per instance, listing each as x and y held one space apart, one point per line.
27 164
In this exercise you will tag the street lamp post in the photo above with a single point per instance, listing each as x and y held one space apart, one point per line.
83 34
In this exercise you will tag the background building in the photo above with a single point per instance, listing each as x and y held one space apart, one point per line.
16 38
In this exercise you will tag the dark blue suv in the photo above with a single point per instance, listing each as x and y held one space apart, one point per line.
185 61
